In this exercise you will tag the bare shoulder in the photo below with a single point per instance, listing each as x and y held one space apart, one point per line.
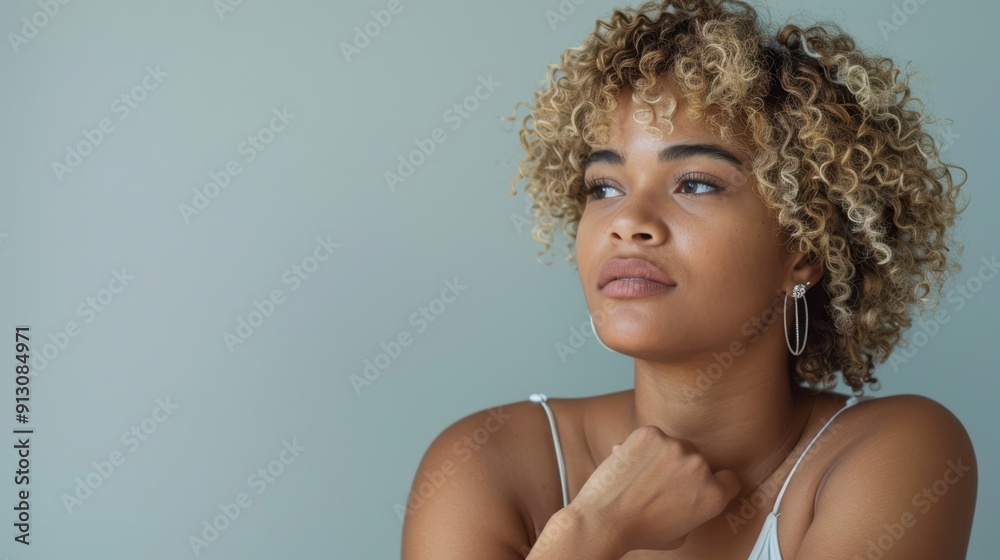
905 485
918 404
478 484
909 420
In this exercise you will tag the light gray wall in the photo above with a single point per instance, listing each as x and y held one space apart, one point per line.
208 81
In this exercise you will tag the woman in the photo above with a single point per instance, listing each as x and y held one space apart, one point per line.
708 172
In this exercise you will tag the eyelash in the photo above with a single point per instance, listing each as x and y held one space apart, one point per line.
592 186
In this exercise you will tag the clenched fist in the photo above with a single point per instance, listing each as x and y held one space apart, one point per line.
653 490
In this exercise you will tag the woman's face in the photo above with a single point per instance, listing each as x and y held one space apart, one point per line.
694 215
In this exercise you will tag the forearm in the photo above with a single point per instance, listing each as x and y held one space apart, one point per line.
569 536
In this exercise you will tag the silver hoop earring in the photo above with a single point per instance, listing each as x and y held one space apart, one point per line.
593 328
798 292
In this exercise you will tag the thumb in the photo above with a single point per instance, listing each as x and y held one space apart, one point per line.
730 482
615 447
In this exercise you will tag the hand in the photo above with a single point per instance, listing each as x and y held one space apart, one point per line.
653 490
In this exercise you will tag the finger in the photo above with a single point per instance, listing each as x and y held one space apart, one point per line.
730 482
615 447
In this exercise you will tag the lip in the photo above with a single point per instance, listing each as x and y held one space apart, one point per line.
644 274
633 288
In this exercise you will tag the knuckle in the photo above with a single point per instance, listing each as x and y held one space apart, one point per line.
697 464
675 449
681 446
648 432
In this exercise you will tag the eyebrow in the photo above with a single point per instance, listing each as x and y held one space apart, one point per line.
670 153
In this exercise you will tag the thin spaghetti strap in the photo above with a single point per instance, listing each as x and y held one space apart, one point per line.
850 402
542 399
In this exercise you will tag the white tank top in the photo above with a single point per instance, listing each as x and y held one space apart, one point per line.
766 547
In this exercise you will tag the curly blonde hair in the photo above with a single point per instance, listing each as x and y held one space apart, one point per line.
841 159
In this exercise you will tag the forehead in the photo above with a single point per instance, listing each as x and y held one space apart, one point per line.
664 120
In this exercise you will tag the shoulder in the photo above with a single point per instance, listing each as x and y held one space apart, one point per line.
515 440
911 420
906 401
486 441
485 473
912 431
911 464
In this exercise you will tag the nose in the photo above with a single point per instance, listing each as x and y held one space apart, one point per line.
638 221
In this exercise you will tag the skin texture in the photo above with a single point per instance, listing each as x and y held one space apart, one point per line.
730 266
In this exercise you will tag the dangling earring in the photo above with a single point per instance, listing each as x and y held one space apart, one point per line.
798 292
593 328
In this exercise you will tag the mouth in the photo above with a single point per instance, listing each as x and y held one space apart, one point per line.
632 270
635 278
631 287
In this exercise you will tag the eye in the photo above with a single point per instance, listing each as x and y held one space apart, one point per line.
595 187
693 183
685 184
699 181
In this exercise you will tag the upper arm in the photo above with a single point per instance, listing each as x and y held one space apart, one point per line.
906 491
461 504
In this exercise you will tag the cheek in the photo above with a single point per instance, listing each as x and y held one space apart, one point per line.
584 245
751 247
582 231
732 281
735 255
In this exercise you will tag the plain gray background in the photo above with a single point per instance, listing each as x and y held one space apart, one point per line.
208 79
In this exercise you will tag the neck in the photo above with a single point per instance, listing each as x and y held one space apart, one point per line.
745 418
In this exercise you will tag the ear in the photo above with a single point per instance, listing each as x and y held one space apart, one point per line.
804 268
